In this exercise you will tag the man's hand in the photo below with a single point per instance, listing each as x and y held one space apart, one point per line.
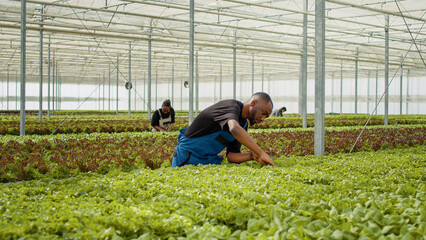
244 138
263 159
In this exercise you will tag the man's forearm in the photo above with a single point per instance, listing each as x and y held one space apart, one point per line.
239 157
244 138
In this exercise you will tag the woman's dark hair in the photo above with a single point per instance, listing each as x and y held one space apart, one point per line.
168 104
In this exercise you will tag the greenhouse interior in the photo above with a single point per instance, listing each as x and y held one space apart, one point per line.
82 81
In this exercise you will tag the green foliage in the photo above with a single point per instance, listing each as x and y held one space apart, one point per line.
60 156
366 195
108 122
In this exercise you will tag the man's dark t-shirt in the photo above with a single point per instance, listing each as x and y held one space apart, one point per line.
215 118
155 121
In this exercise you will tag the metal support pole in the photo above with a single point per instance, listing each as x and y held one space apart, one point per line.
214 89
118 72
99 92
319 134
59 90
23 64
78 93
341 88
48 78
406 102
356 81
7 88
241 86
173 80
197 85
191 62
377 88
234 94
16 90
53 82
386 122
263 77
144 91
40 100
109 88
220 83
130 76
252 74
181 94
134 87
368 92
149 72
303 80
400 87
103 91
332 92
57 84
156 87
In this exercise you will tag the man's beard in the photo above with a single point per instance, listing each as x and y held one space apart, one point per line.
251 120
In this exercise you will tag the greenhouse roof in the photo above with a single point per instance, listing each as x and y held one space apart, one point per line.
87 38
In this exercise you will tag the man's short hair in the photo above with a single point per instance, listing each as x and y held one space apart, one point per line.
264 96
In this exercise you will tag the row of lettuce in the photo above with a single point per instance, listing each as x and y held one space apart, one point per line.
366 195
61 156
139 123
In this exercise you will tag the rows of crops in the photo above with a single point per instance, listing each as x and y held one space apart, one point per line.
110 178
366 195
74 154
108 123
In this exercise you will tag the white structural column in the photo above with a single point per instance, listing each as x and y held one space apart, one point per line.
220 83
377 89
40 100
7 88
368 92
181 93
386 122
144 92
99 92
400 87
130 78
149 71
109 88
234 65
319 134
103 91
23 65
341 88
303 80
118 72
16 90
252 74
197 85
356 81
263 77
48 78
332 92
406 101
173 81
53 82
191 63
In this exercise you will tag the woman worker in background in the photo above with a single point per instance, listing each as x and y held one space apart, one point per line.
164 118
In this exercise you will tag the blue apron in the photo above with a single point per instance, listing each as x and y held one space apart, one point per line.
201 150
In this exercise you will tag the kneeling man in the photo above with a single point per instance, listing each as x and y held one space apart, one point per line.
224 125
